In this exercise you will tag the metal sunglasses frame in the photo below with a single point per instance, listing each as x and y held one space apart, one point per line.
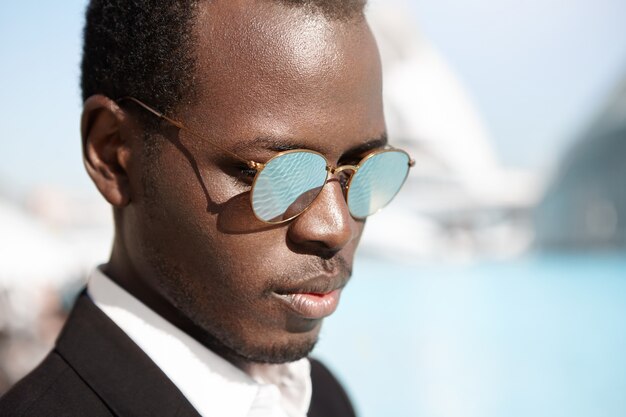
259 166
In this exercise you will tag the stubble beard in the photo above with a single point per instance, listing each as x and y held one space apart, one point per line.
210 333
239 352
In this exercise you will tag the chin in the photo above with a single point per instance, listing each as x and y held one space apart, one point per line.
277 353
267 347
261 347
280 345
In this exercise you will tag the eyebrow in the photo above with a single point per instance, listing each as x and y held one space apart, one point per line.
368 145
281 145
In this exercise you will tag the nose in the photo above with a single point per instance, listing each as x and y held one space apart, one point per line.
327 226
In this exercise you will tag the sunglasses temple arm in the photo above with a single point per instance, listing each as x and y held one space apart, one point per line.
180 125
250 164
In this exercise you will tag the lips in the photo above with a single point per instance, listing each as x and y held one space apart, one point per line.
313 299
312 305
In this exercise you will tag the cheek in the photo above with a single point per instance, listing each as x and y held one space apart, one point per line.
168 218
203 232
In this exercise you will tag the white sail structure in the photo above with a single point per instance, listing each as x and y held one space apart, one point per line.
458 192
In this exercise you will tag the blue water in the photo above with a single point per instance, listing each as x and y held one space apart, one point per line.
541 336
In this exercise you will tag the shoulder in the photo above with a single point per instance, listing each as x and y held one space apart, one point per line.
329 397
52 389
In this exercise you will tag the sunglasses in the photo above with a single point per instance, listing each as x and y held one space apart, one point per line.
288 183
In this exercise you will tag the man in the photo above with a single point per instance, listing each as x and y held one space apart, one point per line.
241 144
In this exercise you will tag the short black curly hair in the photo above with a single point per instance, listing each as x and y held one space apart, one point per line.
145 48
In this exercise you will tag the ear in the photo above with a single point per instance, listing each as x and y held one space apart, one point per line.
106 153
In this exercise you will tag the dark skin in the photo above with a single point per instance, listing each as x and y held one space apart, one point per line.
186 242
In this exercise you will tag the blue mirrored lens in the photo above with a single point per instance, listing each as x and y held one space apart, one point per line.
377 182
287 185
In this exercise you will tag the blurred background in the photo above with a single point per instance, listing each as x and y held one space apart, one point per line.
494 286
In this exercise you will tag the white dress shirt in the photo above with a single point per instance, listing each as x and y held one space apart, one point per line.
212 385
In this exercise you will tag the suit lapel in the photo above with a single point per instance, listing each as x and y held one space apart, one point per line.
128 382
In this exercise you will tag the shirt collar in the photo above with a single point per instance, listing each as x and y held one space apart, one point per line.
211 384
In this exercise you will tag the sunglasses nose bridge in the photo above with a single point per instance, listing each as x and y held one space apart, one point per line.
342 168
338 170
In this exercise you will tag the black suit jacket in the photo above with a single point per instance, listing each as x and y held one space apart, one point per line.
96 370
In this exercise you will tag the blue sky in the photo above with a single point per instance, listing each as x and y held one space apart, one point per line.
538 70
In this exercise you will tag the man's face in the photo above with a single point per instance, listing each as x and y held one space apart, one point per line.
269 77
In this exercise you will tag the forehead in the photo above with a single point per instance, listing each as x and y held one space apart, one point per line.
272 70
